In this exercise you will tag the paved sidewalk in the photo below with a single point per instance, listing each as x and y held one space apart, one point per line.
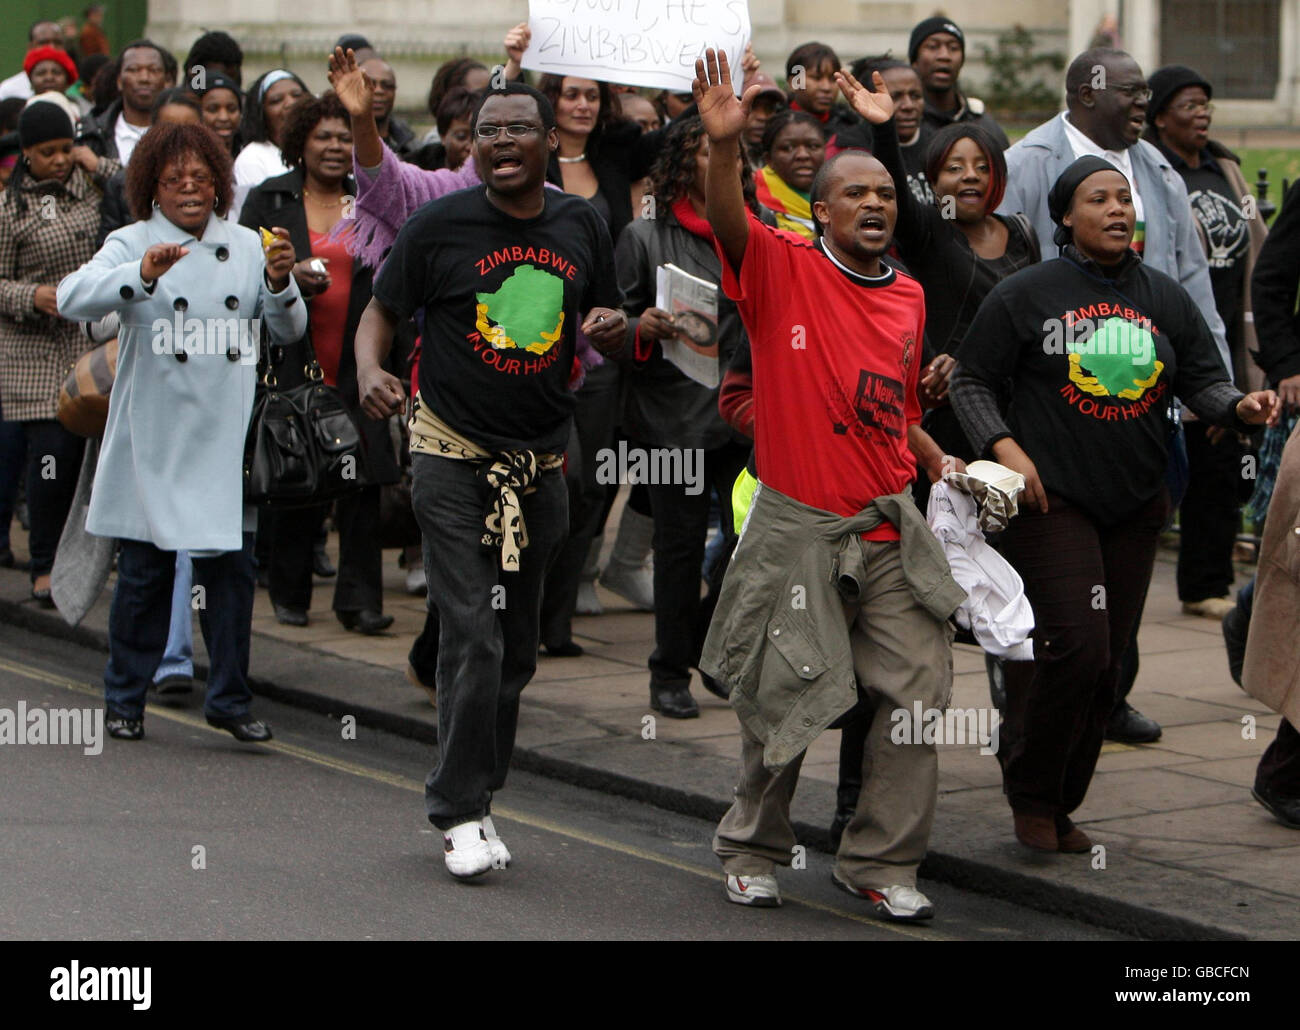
1188 852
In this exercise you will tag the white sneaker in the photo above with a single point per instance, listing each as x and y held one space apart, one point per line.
500 853
898 902
466 850
759 891
416 584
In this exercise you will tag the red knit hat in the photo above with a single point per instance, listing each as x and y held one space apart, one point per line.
49 53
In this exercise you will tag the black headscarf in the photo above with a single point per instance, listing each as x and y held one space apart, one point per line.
1062 192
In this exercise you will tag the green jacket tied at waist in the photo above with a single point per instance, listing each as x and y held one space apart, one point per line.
780 635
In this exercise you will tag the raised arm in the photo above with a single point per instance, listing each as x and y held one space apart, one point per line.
724 120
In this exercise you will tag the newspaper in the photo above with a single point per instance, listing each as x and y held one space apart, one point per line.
693 303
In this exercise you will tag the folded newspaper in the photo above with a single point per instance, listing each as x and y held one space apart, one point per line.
693 303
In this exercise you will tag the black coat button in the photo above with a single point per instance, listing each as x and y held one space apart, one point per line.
222 253
232 302
126 292
291 302
182 357
180 304
277 354
232 354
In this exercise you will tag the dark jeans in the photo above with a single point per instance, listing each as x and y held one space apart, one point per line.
594 419
488 637
681 526
1210 516
53 465
292 534
1058 704
141 613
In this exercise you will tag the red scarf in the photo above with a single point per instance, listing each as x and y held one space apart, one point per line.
690 221
824 117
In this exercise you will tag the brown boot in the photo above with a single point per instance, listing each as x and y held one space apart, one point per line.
1070 838
1036 831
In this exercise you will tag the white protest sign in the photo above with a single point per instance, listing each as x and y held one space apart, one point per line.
635 42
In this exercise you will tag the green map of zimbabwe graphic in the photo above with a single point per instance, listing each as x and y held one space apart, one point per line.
526 311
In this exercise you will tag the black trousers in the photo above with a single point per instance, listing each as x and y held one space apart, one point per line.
53 465
681 527
1210 516
291 535
594 419
1058 704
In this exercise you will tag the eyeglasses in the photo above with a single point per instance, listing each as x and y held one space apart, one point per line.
174 182
512 131
1192 106
1135 91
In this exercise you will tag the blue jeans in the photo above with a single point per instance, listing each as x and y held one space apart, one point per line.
178 656
141 612
488 637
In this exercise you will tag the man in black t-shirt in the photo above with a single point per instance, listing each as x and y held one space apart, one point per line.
504 273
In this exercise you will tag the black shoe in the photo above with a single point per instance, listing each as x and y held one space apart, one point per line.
674 702
1287 810
366 621
714 687
566 650
242 727
43 597
320 564
263 578
1129 726
125 729
1235 626
289 616
173 685
6 558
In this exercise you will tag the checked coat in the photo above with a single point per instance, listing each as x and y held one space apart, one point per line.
53 237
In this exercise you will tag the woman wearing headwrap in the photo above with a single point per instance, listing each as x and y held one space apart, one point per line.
1094 345
266 106
221 105
48 217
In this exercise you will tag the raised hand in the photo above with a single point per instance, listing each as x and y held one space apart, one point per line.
724 115
877 107
517 40
354 87
159 258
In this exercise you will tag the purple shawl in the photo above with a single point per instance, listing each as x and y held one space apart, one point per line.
384 203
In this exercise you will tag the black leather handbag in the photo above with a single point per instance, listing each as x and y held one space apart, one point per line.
302 447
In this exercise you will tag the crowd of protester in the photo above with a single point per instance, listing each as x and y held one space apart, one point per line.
878 193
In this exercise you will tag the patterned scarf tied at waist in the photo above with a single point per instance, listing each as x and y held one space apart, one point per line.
509 473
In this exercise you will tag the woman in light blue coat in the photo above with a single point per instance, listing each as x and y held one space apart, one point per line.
192 292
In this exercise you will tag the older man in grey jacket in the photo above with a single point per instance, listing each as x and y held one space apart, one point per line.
1106 98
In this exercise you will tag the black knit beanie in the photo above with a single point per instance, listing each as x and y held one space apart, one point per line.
928 28
43 121
1165 82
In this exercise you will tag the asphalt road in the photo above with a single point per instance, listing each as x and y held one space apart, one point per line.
191 835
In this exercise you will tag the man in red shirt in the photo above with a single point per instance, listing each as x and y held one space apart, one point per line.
835 335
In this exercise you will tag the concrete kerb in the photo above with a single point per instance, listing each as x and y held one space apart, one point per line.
981 877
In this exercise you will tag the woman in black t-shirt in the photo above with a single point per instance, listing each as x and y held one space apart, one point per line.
1095 345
